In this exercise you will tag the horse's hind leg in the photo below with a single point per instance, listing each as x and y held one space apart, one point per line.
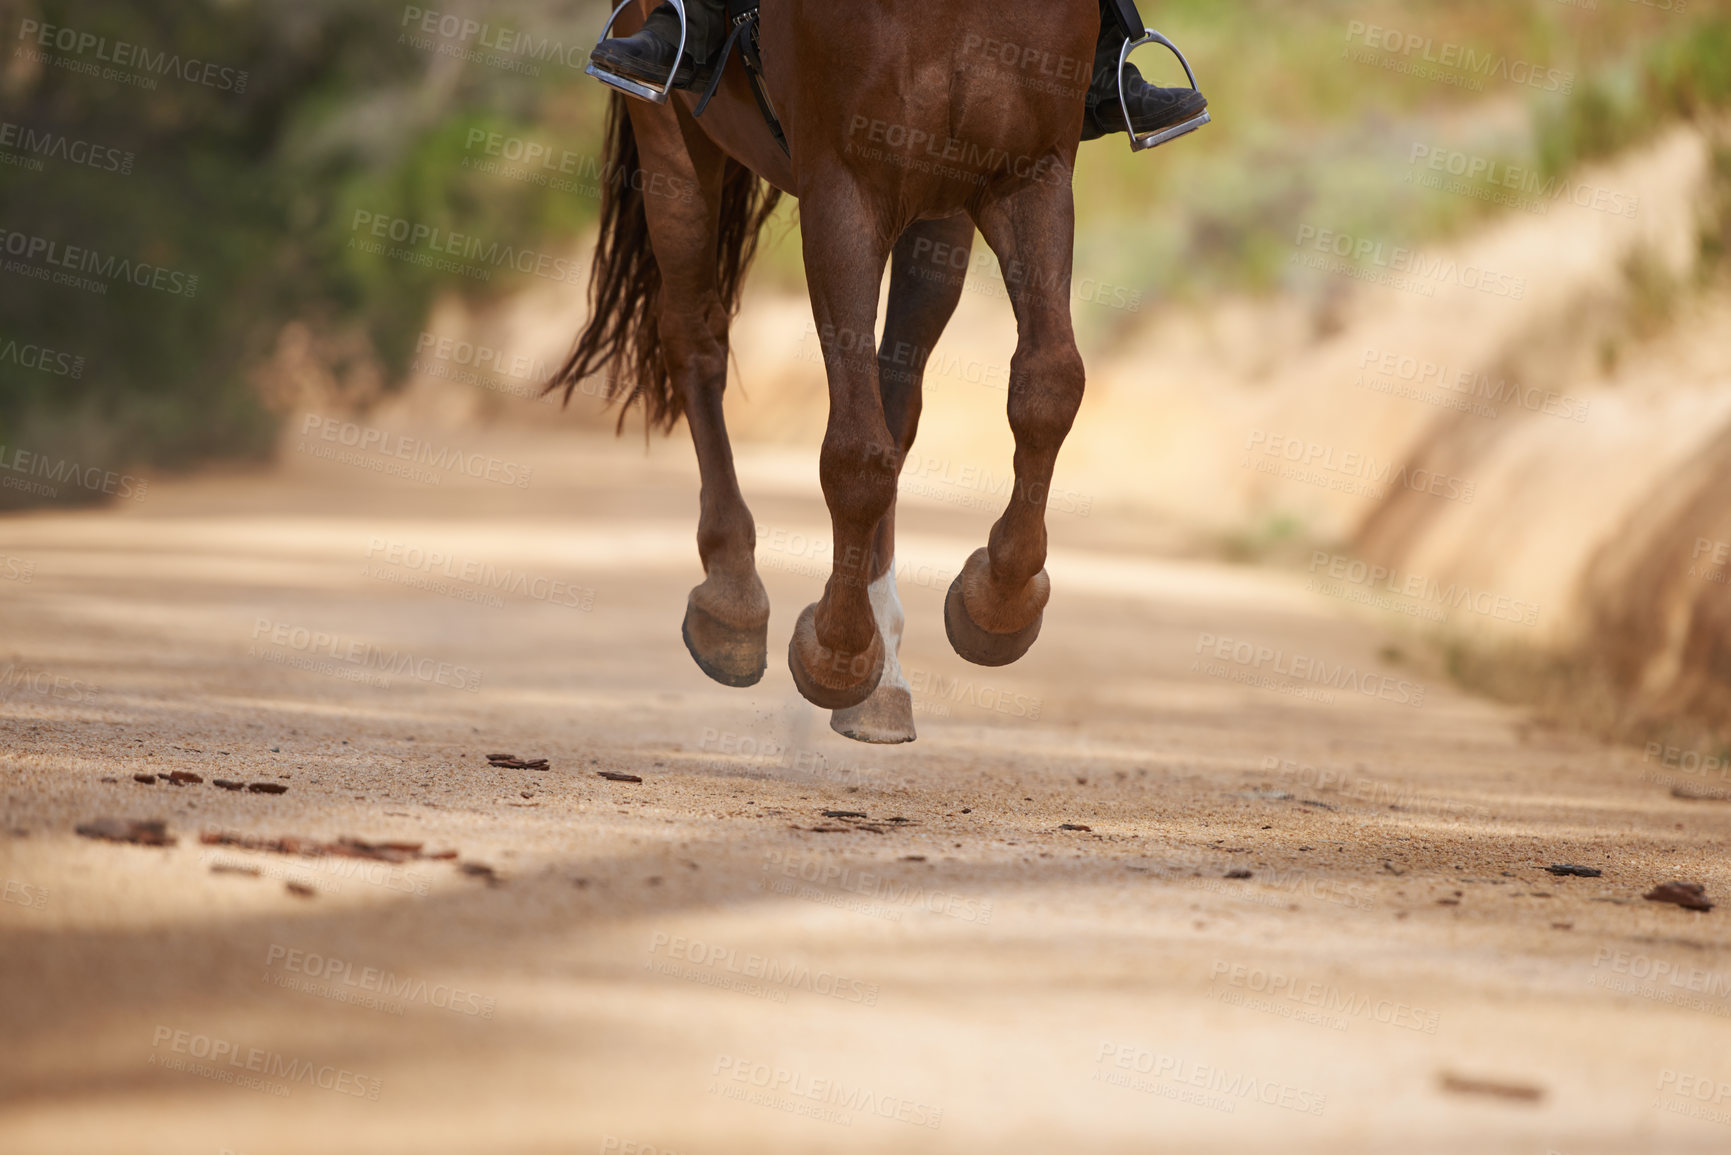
726 625
927 270
993 610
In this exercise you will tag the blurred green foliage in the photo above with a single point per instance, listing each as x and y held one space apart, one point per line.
1685 72
1307 133
250 182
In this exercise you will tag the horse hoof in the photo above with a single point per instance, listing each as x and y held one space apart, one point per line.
728 654
885 718
828 679
978 645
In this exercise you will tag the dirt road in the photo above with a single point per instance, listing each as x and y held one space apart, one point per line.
1174 882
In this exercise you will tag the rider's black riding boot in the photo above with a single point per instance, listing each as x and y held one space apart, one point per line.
647 57
1151 108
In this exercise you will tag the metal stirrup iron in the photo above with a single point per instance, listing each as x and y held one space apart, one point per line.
1153 139
632 87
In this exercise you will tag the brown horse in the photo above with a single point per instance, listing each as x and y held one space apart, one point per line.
923 120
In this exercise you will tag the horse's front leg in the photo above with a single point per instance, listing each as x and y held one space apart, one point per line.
993 610
925 285
837 654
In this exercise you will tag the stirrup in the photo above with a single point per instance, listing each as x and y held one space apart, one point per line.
632 87
1154 139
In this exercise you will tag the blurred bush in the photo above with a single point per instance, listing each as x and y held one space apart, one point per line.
1684 73
1311 127
234 142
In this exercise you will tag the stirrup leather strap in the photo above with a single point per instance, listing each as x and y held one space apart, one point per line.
744 19
1129 20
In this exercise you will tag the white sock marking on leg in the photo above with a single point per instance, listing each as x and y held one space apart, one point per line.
887 609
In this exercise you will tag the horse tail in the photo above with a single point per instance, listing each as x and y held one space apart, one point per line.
623 335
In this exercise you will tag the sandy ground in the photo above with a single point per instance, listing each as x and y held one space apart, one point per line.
705 961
